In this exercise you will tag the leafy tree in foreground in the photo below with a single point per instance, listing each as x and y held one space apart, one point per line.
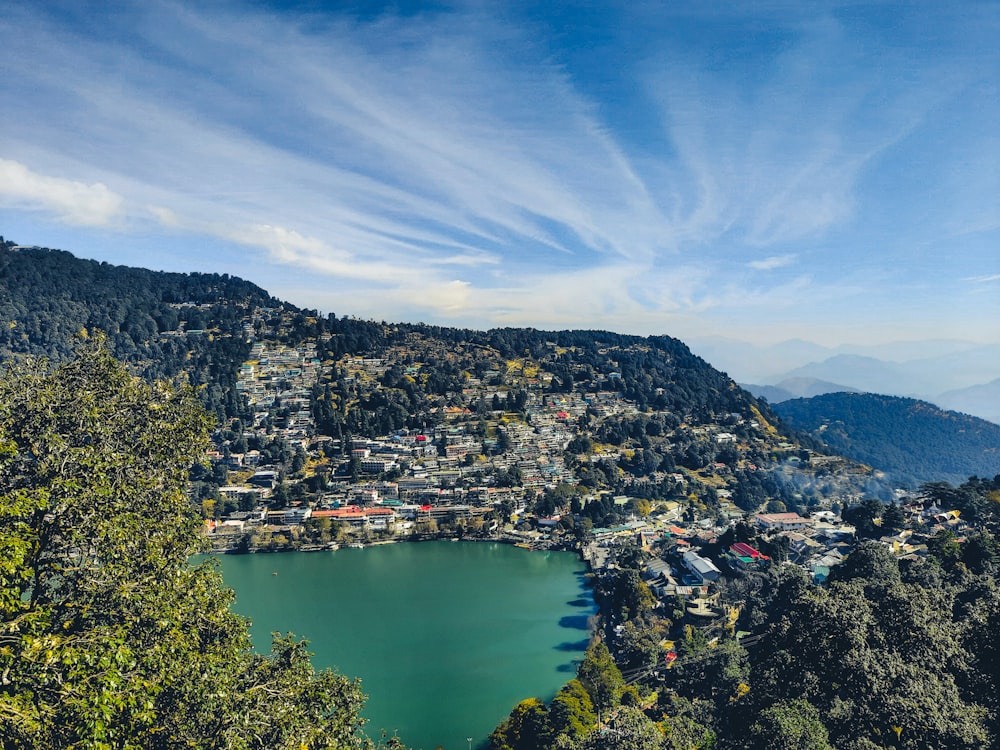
629 730
527 728
109 638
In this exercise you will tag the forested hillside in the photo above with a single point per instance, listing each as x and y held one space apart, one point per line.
913 440
160 323
649 418
164 323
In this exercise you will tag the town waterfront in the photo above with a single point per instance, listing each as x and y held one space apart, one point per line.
446 636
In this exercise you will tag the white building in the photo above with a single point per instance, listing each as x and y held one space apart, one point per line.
701 566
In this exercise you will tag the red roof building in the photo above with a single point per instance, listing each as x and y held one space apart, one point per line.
745 556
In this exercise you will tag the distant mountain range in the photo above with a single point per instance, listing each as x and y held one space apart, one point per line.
981 400
957 375
795 388
914 441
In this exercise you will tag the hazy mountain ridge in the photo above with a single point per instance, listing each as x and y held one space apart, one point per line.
954 374
974 399
912 440
920 379
795 388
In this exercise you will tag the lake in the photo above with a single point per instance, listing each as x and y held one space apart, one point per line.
446 636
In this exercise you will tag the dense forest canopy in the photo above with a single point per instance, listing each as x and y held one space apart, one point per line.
160 323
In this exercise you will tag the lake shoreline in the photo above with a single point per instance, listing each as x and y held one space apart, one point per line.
547 547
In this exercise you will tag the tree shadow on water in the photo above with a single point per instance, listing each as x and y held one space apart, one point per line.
574 646
576 622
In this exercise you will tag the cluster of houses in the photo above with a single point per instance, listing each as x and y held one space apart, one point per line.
685 562
446 473
281 375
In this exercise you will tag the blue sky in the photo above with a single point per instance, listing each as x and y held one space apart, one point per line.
760 171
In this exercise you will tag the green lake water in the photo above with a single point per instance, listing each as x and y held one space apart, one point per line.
446 636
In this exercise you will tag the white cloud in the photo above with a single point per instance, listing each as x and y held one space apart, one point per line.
285 245
164 216
984 279
73 202
773 262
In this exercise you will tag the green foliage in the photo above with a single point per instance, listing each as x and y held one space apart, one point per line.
109 637
527 728
625 593
628 729
980 553
601 677
893 518
708 672
871 653
791 725
638 645
682 728
572 712
866 517
981 612
944 547
869 561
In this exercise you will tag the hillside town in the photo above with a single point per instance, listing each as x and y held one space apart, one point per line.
495 464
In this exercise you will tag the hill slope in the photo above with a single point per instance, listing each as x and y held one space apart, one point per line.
637 415
160 323
912 440
164 323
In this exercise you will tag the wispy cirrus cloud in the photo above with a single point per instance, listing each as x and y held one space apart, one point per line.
780 160
387 153
469 164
